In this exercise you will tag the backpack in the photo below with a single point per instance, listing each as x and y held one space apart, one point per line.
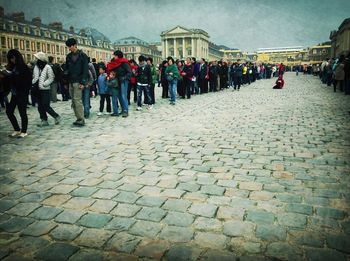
57 71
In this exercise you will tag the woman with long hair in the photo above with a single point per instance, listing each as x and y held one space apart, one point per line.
20 80
164 81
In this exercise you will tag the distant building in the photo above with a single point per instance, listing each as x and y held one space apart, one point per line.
215 52
340 39
233 54
180 42
320 52
30 37
133 47
287 55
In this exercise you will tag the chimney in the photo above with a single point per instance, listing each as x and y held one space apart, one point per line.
18 17
2 12
36 21
71 29
56 25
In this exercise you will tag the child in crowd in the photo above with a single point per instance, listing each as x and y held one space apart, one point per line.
113 89
279 82
103 91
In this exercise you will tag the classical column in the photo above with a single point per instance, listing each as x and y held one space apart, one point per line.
163 48
183 47
166 48
192 47
175 47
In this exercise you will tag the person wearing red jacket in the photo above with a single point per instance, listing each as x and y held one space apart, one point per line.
187 74
279 83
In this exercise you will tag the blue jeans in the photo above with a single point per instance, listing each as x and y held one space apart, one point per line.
115 104
86 101
123 96
148 98
172 90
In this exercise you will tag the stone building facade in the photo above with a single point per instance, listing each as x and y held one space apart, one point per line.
340 39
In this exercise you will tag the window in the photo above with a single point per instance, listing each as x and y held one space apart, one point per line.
15 43
43 47
9 42
53 49
189 52
324 51
62 50
57 49
3 42
48 48
314 51
33 47
27 45
38 45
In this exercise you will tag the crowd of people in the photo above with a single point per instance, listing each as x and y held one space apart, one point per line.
80 79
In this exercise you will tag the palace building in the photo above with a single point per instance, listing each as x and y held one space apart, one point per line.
340 39
180 42
287 55
319 53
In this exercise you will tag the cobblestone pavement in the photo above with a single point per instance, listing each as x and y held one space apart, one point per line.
259 174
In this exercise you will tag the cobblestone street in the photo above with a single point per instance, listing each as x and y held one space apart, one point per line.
258 174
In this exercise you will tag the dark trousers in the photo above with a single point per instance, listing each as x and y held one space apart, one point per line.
151 93
187 88
107 98
223 82
203 85
34 97
132 87
237 80
44 105
165 87
64 92
213 84
21 102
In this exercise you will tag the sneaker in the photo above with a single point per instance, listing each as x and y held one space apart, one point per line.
99 114
22 135
172 103
114 115
150 107
79 123
125 114
57 120
139 109
106 113
43 124
14 134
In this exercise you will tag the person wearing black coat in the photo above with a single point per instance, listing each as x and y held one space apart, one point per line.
20 80
203 76
223 76
237 71
347 74
213 76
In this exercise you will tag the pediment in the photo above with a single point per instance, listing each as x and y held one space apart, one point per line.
178 30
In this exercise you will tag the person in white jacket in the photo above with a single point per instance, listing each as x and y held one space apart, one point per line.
43 76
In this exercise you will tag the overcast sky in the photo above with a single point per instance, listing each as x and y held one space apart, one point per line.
244 24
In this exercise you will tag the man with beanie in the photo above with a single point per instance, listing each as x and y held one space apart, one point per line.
77 72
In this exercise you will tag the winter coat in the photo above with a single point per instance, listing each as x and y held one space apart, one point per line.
102 84
172 69
339 74
77 67
143 75
45 77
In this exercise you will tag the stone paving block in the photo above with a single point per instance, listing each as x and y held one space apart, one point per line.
105 193
56 200
283 251
62 188
125 210
212 190
83 191
238 228
130 187
180 205
299 208
195 197
207 224
260 217
225 212
178 219
79 203
177 234
34 197
252 247
271 232
126 197
219 200
123 242
311 239
26 245
261 195
87 255
39 228
95 238
66 232
145 228
339 242
46 213
213 255
318 222
330 213
211 240
154 249
94 220
16 224
206 180
120 224
182 253
57 251
288 198
151 201
191 187
69 216
314 254
102 206
151 214
23 209
205 210
6 204
172 193
292 220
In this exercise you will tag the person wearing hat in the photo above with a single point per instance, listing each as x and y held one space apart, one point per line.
43 76
77 72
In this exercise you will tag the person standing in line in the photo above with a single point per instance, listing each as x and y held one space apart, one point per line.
339 74
154 74
77 70
44 73
164 81
132 84
113 89
347 75
203 77
172 74
187 74
143 81
20 81
103 91
237 75
53 87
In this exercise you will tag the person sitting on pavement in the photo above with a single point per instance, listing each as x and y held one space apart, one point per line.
279 82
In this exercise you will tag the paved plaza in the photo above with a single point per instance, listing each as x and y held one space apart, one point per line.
258 174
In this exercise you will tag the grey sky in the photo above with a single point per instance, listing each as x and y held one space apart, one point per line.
244 24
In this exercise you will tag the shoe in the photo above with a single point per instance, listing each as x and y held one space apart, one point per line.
139 109
57 120
106 113
150 107
43 124
79 123
125 114
86 116
22 135
99 114
14 134
172 103
114 115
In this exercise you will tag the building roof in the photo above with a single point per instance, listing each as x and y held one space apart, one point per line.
193 30
94 34
131 40
280 49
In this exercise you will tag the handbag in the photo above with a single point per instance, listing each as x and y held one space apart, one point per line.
169 78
